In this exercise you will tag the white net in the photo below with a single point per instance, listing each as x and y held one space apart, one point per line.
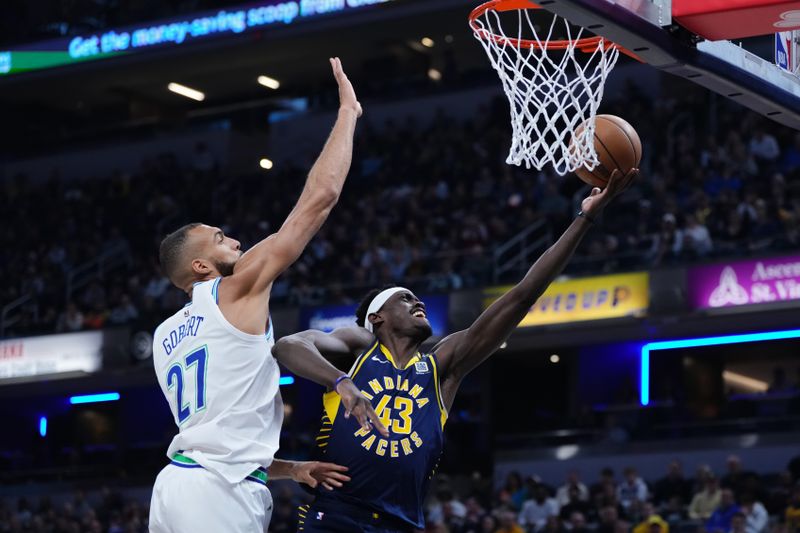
553 94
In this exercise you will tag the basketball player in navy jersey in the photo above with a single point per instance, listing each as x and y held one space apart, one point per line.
411 391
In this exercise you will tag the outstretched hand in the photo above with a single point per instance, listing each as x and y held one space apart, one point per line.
357 405
314 473
347 95
617 184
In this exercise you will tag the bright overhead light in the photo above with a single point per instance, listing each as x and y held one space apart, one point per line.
434 74
427 42
269 83
555 358
188 92
265 163
753 385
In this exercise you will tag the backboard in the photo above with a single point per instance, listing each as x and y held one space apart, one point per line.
665 34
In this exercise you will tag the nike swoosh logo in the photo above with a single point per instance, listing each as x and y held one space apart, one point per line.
375 358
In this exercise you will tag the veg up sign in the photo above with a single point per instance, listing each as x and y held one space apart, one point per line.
744 283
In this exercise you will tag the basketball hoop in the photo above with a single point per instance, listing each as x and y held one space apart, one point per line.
554 93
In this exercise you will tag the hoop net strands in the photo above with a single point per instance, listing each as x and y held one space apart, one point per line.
551 92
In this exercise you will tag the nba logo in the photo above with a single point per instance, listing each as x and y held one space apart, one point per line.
783 50
421 367
320 514
186 313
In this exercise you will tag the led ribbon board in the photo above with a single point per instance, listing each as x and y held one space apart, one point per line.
170 33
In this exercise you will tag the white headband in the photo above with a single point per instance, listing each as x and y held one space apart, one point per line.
377 302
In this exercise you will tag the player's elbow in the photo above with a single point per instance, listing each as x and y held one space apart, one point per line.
327 195
286 346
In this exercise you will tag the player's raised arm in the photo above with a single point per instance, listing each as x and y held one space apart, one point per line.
461 352
258 268
306 354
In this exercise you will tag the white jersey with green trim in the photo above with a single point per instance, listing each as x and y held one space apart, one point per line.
222 386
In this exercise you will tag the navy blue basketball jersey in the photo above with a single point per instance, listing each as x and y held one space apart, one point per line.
390 475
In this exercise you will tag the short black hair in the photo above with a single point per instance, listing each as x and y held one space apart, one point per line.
363 307
171 250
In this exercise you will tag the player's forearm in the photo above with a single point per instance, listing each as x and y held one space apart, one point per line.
281 469
549 265
498 322
303 359
330 170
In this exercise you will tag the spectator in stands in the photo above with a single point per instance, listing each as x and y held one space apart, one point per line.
674 511
96 317
668 242
577 523
649 518
508 523
792 513
537 510
606 479
608 518
71 319
720 519
575 505
672 485
447 509
706 501
739 523
756 516
123 312
489 524
608 498
563 492
764 147
736 478
765 227
697 239
514 491
778 494
475 514
632 490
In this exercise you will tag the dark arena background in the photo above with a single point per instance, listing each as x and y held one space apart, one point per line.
659 377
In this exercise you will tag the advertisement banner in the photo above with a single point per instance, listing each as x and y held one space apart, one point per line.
327 318
51 354
745 282
171 33
582 299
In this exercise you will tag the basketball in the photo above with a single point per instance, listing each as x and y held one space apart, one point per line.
618 147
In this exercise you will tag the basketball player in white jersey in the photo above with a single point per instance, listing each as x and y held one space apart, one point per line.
213 362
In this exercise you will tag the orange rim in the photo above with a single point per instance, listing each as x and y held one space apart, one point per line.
587 44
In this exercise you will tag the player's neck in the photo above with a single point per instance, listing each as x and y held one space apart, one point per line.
401 348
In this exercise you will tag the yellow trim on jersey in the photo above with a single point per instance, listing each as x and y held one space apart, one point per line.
331 401
389 357
439 398
364 356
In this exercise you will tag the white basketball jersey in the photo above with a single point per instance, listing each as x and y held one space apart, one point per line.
221 385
